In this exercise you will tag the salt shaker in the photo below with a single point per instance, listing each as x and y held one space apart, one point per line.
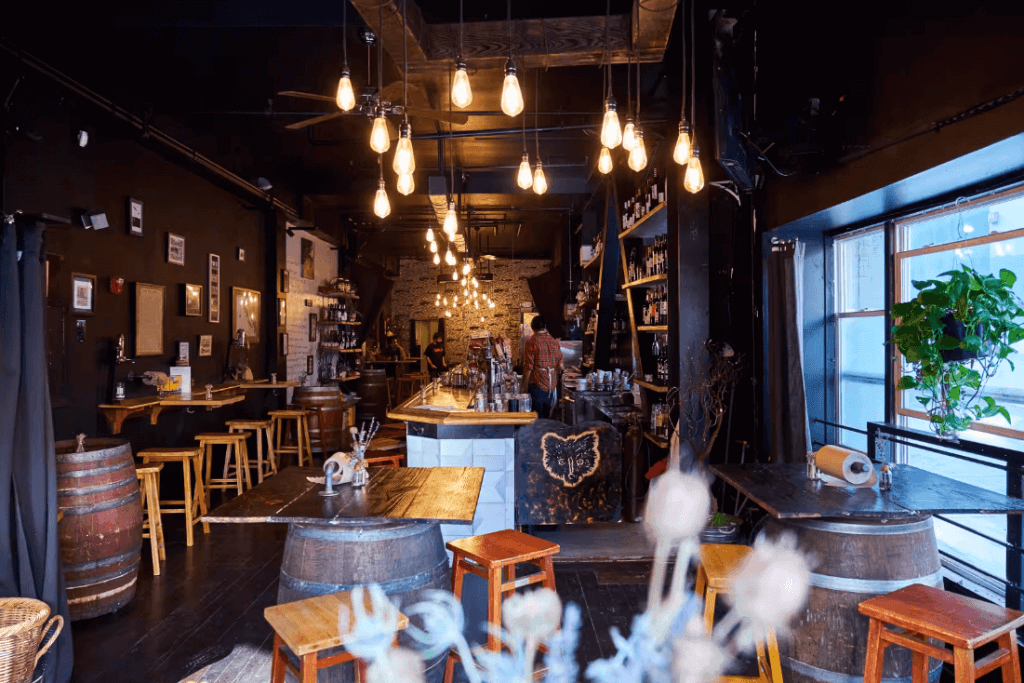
885 479
812 466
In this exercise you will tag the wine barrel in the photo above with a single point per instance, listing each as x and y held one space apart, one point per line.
100 534
853 561
403 558
373 390
332 405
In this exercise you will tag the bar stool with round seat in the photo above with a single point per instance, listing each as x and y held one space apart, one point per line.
239 468
286 419
923 612
152 528
494 557
194 501
262 429
717 562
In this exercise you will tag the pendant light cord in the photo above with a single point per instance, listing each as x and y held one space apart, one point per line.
380 56
405 66
536 105
607 48
344 32
451 149
510 29
693 58
460 29
682 51
524 119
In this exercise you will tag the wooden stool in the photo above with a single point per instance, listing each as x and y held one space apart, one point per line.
924 612
717 561
383 459
412 383
494 557
310 626
152 528
262 428
300 418
207 440
194 501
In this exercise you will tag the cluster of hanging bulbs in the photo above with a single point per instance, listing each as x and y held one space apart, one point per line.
470 293
685 152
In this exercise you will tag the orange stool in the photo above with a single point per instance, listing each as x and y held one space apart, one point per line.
194 502
924 612
284 419
152 528
262 429
240 468
494 557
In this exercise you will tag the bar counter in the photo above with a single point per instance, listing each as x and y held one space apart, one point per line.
451 406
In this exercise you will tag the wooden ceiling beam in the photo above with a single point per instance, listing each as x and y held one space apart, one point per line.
653 24
415 30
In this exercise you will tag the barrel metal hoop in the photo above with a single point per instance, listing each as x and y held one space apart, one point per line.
874 586
104 562
99 488
78 474
315 588
360 532
826 676
106 578
92 456
100 507
893 529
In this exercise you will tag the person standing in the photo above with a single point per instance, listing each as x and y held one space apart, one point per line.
434 353
540 368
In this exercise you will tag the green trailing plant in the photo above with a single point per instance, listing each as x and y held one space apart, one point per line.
956 332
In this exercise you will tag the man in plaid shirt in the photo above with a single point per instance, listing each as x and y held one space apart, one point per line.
540 368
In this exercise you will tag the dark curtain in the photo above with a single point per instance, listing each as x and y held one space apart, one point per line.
30 563
787 402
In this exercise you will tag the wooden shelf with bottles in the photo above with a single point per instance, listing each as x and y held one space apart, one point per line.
651 386
339 295
595 259
338 322
655 222
657 440
644 283
652 328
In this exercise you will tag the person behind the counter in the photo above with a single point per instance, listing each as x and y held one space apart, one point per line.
434 353
541 367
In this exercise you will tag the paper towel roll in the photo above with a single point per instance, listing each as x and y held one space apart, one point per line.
846 464
346 464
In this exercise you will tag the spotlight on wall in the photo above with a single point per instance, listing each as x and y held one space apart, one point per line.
264 184
83 138
94 220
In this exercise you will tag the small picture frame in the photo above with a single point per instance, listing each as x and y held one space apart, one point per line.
83 294
307 252
183 352
213 280
241 254
175 249
282 312
135 217
309 365
246 312
312 327
284 343
193 300
285 280
205 345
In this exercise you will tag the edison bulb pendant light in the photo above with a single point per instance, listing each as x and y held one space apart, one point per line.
455 274
693 181
465 269
345 98
404 162
449 258
448 314
433 247
511 95
604 162
611 132
406 184
683 150
629 135
451 221
490 304
379 140
540 183
437 259
381 205
638 157
525 178
462 94
430 234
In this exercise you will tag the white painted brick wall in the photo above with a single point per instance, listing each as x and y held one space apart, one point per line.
300 289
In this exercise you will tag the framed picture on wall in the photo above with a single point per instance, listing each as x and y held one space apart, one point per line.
175 249
312 327
149 319
309 365
135 216
246 312
285 280
193 300
213 304
284 343
205 345
83 294
282 312
308 259
241 254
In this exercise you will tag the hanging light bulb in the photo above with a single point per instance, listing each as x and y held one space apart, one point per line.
437 304
381 205
611 132
379 140
433 247
404 161
451 221
540 183
476 285
446 301
683 150
430 236
476 305
481 318
437 259
447 314
466 268
491 304
465 292
638 157
462 94
511 94
693 181
463 283
345 98
449 258
525 178
405 184
629 135
455 274
604 162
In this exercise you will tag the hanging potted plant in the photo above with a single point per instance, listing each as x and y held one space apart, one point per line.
956 332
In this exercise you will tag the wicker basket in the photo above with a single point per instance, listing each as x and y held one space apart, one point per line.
21 631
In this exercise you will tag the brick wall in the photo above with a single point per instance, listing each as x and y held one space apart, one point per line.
301 289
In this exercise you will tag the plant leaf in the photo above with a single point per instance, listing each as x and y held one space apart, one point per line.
947 343
1007 277
923 400
907 382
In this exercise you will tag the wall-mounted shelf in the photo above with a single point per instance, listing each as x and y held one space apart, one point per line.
338 295
331 347
654 223
595 259
657 440
338 322
652 281
651 386
652 328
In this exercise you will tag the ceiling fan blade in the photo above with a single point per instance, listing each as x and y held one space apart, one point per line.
393 92
456 117
307 96
313 121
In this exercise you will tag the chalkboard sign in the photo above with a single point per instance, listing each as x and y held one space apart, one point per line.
568 475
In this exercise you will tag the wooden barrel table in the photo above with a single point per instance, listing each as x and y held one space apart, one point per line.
373 389
101 528
404 558
332 407
852 561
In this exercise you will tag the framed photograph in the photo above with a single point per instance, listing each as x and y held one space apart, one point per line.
213 303
149 319
246 312
285 284
205 345
175 249
241 254
83 294
193 300
308 258
183 352
282 312
135 217
312 326
309 365
284 343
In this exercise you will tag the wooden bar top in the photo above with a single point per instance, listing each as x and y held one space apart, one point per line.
450 406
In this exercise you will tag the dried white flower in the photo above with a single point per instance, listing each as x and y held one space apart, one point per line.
677 507
696 657
534 614
374 632
770 586
398 665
